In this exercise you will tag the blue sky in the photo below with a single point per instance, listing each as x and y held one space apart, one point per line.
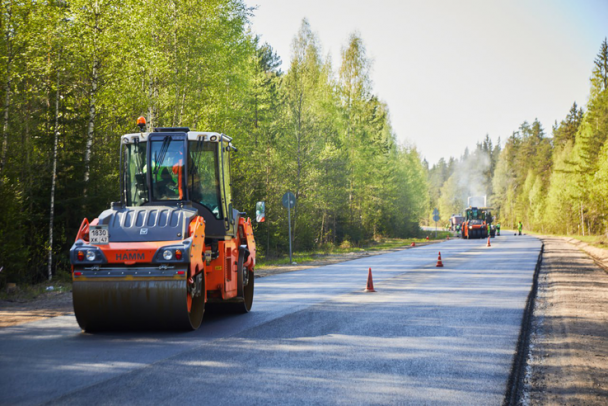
453 71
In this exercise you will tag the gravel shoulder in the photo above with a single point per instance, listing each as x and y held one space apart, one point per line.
568 358
53 304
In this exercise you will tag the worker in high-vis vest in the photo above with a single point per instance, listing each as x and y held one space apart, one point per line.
520 227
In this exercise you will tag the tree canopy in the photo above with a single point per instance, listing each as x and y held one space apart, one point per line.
75 75
555 184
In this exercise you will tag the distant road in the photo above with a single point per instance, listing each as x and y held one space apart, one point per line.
428 335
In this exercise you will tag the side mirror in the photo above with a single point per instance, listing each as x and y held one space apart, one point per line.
260 212
230 214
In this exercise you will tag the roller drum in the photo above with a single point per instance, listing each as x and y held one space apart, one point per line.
135 304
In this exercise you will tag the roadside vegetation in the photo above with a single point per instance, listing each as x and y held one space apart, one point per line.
346 248
75 75
14 292
553 184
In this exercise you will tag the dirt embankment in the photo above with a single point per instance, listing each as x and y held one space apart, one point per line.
49 304
19 310
568 358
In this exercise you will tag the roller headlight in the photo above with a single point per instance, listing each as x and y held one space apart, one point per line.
173 253
91 255
85 254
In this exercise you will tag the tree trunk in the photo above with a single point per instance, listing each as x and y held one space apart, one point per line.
25 146
181 110
151 96
267 195
7 90
255 125
27 172
53 181
334 233
91 126
582 220
299 169
7 103
322 235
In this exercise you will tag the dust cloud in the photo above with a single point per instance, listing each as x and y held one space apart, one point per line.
471 177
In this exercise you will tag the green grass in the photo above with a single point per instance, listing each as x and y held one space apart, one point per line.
31 292
388 243
599 241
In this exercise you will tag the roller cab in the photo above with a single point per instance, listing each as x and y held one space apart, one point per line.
171 244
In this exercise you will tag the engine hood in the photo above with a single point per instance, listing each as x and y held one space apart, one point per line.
147 223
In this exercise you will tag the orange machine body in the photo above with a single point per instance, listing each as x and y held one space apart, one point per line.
220 273
172 243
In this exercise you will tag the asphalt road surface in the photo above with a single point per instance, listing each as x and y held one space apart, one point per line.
427 336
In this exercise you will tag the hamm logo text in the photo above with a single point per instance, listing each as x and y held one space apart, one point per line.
130 257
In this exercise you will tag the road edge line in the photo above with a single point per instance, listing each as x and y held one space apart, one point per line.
516 376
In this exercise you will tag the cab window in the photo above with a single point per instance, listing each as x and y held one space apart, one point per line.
226 176
167 161
203 176
136 191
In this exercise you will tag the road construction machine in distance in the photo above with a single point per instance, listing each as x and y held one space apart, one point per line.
476 221
173 242
455 221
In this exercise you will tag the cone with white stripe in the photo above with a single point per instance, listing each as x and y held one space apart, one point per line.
439 263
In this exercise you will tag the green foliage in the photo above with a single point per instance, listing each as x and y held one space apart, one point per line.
321 134
557 185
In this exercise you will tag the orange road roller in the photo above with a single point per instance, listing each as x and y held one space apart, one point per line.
173 242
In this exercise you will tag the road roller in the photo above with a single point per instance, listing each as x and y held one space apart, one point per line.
172 244
476 220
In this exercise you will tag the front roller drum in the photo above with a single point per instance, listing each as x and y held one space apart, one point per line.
144 304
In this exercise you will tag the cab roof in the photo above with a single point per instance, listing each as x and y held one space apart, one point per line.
192 135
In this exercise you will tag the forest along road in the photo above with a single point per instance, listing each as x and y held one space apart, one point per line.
428 335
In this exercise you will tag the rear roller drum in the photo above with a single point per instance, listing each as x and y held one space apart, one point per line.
196 301
245 283
248 293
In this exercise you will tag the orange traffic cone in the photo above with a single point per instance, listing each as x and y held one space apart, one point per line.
413 244
439 263
488 245
370 282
